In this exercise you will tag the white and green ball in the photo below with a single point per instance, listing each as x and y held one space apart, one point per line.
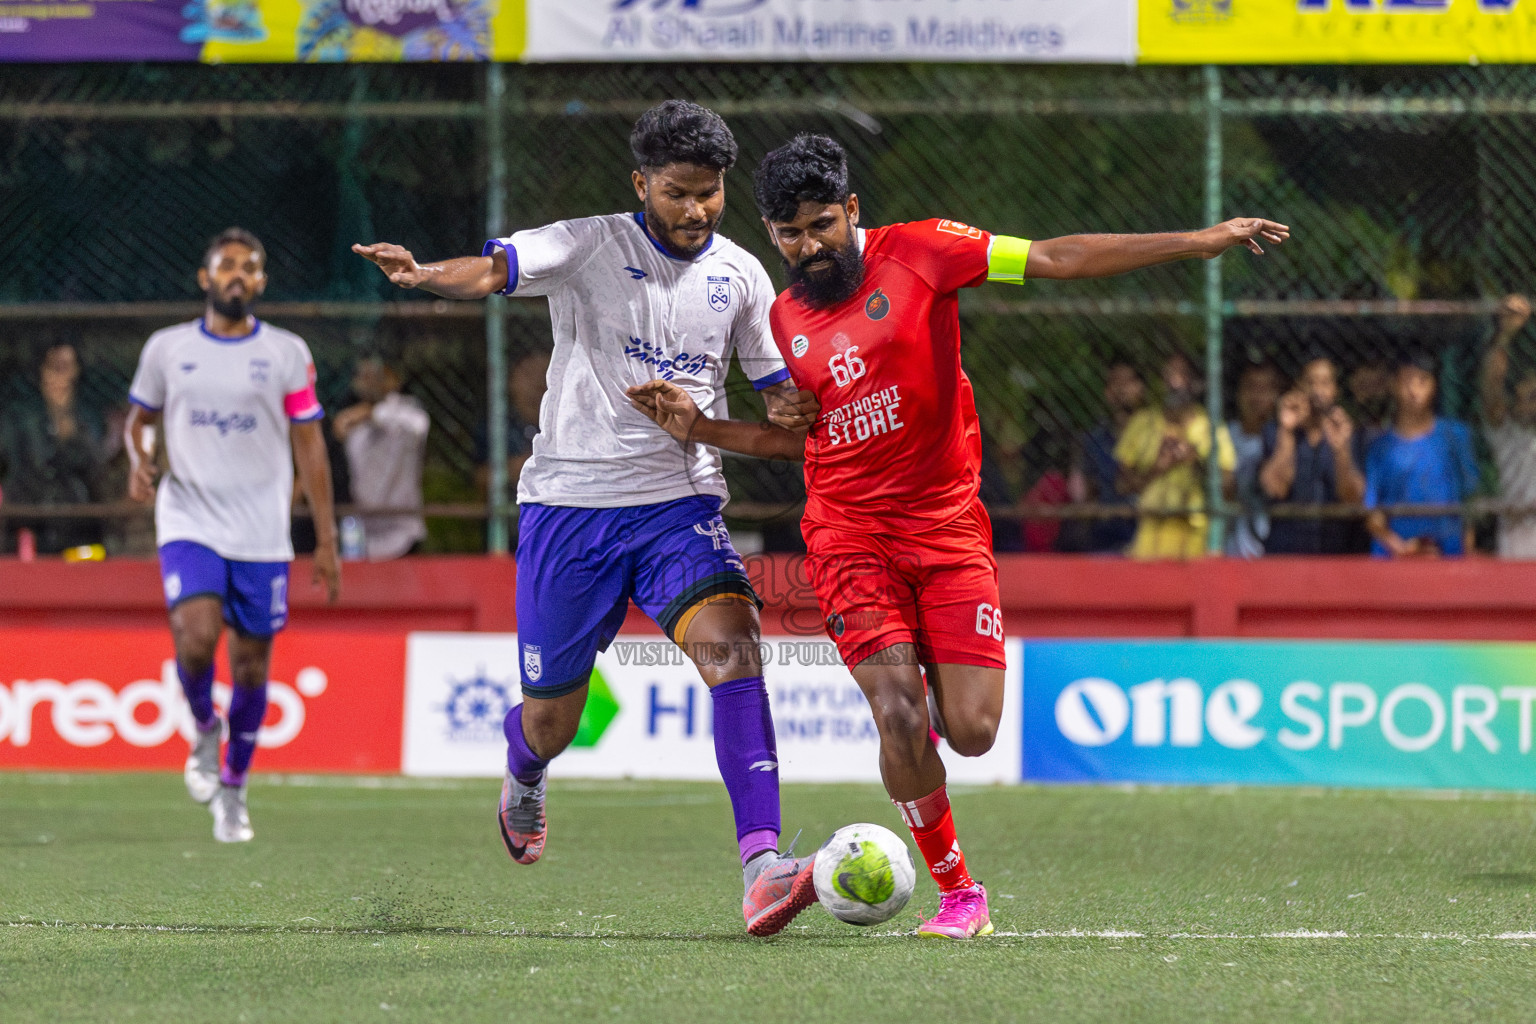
864 874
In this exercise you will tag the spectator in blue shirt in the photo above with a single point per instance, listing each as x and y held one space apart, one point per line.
1095 473
1423 459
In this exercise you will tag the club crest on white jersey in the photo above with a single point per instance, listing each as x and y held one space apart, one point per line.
719 294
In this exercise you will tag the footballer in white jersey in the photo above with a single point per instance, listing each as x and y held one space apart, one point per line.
234 403
612 509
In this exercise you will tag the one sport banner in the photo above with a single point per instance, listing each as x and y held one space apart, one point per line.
108 699
1417 715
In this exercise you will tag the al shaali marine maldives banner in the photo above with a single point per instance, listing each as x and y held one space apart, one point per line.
1330 714
1337 31
260 30
1084 31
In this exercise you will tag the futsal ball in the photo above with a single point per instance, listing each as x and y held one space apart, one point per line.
864 874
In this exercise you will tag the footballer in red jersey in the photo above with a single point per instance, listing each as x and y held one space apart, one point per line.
899 546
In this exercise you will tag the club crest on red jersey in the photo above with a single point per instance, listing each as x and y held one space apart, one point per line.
878 306
835 624
954 227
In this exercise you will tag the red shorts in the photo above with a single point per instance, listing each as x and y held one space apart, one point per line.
936 590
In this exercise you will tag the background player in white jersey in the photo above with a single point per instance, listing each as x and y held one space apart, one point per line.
235 399
612 508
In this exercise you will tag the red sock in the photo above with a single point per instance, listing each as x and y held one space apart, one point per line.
933 829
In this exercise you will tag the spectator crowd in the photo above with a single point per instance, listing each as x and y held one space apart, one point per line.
1316 458
1306 469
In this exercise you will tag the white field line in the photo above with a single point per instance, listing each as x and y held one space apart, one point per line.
1073 933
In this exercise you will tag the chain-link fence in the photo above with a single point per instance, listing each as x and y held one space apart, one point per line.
1410 192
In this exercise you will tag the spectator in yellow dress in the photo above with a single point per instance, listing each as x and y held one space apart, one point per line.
1163 455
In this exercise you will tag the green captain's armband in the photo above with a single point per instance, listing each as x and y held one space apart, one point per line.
1007 258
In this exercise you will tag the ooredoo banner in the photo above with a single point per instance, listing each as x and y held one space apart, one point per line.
109 700
1330 714
649 715
948 30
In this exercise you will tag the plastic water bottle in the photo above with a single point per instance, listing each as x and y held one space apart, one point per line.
353 542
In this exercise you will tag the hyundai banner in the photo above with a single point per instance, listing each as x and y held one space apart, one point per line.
648 714
854 30
1330 714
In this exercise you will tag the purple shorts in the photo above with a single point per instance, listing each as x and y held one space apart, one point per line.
578 569
254 594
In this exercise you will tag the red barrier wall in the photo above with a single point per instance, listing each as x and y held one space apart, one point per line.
1043 595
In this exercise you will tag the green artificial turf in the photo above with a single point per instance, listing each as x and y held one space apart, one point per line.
393 901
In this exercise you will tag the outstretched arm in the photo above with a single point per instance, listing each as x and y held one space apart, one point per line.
674 411
468 277
1076 256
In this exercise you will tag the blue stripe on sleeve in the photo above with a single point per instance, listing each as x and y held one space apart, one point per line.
772 379
511 251
136 400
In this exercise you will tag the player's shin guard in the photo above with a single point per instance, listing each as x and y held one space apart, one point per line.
522 762
199 690
749 762
933 829
247 707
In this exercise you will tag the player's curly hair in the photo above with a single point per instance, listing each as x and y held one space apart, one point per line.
679 132
809 168
238 236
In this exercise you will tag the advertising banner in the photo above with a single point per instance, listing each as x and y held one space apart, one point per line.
649 715
261 30
1084 31
1336 31
1329 714
95 700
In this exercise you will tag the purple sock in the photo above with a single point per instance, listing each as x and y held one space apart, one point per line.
199 691
522 762
749 762
247 707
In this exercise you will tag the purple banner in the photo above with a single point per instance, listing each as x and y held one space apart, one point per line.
78 30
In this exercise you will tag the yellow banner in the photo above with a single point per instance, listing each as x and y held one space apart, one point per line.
239 31
1337 31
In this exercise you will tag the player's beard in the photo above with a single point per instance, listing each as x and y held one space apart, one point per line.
841 280
682 252
235 307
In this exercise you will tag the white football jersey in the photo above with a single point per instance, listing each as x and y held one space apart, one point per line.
226 405
624 312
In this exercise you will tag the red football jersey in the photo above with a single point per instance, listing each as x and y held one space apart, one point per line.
897 443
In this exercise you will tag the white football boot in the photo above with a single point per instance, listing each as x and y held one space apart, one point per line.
231 820
202 771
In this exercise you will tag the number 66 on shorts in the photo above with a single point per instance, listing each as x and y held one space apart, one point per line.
989 621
